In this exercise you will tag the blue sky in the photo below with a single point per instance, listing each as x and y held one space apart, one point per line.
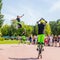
33 10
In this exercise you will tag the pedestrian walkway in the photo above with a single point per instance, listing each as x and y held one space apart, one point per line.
27 52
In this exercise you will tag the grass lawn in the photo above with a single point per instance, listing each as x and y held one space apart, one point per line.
13 42
9 42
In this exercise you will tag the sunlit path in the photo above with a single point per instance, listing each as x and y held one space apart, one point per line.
27 52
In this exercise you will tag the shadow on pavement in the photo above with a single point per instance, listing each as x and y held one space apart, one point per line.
23 58
1 49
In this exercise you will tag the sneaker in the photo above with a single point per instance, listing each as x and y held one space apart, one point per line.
37 49
43 49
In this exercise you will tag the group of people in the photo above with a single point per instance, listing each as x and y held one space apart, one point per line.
52 40
41 39
32 39
49 40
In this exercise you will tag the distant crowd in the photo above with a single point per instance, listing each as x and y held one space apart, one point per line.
50 40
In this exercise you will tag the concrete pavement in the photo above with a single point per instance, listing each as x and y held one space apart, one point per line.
27 52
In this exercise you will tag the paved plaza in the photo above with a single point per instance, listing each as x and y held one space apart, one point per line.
27 52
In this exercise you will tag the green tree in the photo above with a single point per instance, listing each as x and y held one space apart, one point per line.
5 30
20 31
12 31
0 5
15 30
35 30
47 29
53 25
1 20
1 16
28 29
58 26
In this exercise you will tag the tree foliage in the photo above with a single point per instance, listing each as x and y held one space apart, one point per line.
5 30
0 6
35 30
1 16
55 27
58 26
47 29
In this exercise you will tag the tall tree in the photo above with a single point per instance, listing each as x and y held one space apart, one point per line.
5 30
28 29
53 25
58 26
48 29
1 16
35 30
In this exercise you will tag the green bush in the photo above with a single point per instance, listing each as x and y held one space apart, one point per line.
24 38
1 39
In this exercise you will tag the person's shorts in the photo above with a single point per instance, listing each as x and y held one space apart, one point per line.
23 38
59 40
19 25
56 40
40 39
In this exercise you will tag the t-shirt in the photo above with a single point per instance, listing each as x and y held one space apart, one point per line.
41 28
18 19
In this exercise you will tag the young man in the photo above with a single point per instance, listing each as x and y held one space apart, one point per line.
41 25
59 40
18 21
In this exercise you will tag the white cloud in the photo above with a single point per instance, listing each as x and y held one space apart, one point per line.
8 18
31 15
55 7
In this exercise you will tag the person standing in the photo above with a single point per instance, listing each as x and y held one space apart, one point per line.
51 39
59 40
55 40
40 39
